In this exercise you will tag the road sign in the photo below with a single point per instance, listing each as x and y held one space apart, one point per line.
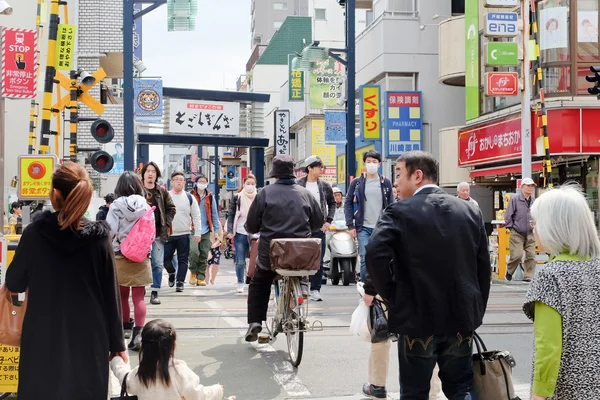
65 47
84 96
502 84
500 3
501 53
35 176
501 24
19 63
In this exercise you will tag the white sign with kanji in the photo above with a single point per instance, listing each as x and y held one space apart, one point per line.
204 117
282 132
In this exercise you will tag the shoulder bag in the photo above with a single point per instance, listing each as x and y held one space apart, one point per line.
124 395
12 313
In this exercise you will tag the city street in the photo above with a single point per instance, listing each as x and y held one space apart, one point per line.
211 321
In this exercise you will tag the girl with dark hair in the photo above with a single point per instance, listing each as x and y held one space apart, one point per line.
73 318
160 375
123 214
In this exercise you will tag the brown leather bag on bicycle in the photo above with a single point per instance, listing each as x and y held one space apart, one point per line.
296 254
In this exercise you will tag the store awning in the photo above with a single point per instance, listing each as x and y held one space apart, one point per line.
512 169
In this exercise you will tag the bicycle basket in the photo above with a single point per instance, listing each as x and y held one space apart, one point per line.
297 257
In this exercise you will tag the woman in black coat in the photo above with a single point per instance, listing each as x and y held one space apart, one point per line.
73 318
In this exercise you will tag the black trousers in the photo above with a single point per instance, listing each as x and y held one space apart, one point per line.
258 295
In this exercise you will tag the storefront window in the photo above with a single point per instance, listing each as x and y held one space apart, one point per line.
587 30
553 17
557 79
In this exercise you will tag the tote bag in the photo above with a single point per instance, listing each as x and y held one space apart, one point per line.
12 313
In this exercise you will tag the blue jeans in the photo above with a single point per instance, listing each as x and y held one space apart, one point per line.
242 247
180 243
363 237
417 358
315 280
158 261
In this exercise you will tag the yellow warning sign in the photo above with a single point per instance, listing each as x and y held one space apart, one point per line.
35 176
65 47
9 369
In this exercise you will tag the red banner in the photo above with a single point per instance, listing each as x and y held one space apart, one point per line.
19 63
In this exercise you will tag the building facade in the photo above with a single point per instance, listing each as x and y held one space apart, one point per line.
269 15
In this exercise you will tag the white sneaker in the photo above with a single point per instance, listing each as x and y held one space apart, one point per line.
240 288
315 295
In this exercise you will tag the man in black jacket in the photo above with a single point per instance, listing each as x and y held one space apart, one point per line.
428 259
282 210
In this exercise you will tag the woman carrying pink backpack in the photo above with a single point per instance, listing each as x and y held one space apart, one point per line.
129 216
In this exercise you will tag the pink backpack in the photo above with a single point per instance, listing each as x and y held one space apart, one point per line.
138 242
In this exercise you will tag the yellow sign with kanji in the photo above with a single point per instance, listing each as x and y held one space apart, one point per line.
359 159
9 369
295 83
65 47
35 176
341 169
370 112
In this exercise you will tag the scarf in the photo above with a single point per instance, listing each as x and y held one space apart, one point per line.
245 200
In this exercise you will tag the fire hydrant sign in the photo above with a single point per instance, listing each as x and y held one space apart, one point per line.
35 176
19 63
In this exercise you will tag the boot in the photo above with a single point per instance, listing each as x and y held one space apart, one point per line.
127 327
136 339
154 298
193 279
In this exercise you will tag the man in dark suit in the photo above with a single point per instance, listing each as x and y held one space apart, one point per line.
429 260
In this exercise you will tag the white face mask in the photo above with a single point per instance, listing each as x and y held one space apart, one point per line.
250 188
372 168
202 186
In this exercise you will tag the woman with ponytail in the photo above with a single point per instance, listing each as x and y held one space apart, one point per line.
73 320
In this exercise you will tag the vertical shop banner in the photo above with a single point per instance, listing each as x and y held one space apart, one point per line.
341 169
137 34
326 84
554 28
319 148
335 127
471 59
148 95
65 47
19 63
404 122
281 125
232 180
194 163
295 83
204 117
370 113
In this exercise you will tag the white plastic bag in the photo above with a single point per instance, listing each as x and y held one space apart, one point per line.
358 323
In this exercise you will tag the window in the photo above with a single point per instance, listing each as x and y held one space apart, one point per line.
277 24
587 31
553 17
278 6
320 14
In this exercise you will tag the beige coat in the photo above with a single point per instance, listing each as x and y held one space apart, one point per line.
133 274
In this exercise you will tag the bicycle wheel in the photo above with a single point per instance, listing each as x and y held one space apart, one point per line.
295 322
273 325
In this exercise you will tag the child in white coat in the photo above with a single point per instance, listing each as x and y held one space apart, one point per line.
160 375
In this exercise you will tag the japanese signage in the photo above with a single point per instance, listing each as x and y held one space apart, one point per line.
319 148
148 97
501 24
404 122
501 53
329 175
65 47
35 176
370 116
360 167
341 169
9 369
295 84
115 149
137 34
335 127
232 179
501 84
281 125
326 84
471 59
19 63
204 117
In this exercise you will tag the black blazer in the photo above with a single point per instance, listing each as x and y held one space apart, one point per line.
428 258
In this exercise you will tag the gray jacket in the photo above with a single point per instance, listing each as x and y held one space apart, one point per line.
517 215
122 215
327 199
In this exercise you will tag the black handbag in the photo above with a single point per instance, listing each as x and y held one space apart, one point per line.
378 323
124 395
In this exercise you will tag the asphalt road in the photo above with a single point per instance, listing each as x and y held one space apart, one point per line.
210 323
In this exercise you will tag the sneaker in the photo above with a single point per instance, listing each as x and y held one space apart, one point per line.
374 392
172 279
240 288
315 295
253 330
508 277
527 280
179 287
201 282
154 298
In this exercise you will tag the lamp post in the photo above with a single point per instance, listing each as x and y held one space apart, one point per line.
351 89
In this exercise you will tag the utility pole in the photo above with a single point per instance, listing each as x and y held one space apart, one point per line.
526 97
351 88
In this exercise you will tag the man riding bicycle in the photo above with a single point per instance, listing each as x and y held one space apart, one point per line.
281 210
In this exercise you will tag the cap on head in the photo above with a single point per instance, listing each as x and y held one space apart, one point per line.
527 181
283 167
337 190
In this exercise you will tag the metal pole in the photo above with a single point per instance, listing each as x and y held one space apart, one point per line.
526 98
217 175
128 121
351 87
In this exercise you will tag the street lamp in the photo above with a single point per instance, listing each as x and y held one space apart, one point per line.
5 8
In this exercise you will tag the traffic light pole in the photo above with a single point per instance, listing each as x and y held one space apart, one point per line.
351 88
526 98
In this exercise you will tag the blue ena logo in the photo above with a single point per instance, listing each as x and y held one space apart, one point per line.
502 23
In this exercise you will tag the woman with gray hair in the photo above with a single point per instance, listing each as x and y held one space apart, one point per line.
564 298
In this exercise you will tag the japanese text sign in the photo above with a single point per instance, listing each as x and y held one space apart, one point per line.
295 84
65 47
148 97
232 179
204 117
341 169
326 84
19 63
9 368
404 122
326 152
501 84
335 127
329 175
281 125
35 176
370 116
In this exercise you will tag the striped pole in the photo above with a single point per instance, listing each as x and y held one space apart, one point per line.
542 118
73 116
50 74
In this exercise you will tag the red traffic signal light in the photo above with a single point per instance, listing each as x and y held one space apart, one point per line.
102 162
102 131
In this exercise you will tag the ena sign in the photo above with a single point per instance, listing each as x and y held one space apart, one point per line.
501 24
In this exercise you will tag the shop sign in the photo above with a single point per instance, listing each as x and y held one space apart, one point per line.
325 84
500 3
341 169
282 132
498 141
148 95
35 176
19 63
295 83
501 84
501 24
329 175
335 127
204 117
501 53
403 122
370 115
232 179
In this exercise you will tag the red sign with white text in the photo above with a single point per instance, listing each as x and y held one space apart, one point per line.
501 83
19 63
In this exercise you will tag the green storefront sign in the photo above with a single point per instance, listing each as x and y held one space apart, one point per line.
295 83
471 59
501 53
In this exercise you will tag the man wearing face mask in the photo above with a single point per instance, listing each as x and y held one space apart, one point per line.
367 196
323 193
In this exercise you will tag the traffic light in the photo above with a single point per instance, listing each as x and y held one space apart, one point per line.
595 90
102 132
